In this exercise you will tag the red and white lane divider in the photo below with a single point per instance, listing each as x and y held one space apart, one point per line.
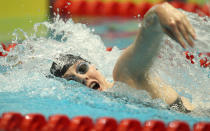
69 8
13 121
204 62
6 48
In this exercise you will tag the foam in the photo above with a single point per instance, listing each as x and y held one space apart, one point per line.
37 53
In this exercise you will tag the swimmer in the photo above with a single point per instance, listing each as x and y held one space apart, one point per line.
133 65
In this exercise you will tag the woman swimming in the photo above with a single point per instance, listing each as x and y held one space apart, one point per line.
133 65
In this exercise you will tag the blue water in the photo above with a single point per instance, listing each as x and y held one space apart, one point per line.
25 88
95 105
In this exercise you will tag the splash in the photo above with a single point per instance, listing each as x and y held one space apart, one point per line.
28 65
188 78
29 62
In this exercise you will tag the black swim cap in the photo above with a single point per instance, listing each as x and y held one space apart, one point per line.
62 64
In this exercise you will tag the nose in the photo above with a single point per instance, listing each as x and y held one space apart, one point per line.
84 79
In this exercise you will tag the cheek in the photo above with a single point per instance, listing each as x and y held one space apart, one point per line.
94 73
99 75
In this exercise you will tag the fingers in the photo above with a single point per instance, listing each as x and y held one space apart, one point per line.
181 29
169 33
185 34
179 37
189 28
175 36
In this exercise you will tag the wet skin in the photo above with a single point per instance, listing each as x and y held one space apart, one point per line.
133 65
92 78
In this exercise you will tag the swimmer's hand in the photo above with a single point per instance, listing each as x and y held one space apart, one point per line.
175 24
187 104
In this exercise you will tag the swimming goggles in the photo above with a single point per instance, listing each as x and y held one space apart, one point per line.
81 68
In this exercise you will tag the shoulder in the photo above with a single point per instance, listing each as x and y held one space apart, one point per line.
121 68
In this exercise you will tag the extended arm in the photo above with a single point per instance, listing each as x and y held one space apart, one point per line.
133 65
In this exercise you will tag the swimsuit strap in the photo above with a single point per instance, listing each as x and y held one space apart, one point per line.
178 105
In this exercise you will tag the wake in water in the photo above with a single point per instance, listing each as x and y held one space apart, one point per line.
29 63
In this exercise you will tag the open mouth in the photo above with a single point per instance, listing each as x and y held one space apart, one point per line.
94 86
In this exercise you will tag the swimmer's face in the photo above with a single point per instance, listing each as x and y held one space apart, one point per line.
88 75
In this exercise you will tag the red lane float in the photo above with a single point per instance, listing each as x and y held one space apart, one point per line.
12 121
143 8
57 123
204 62
96 7
61 8
154 125
206 9
111 9
7 49
109 49
177 4
178 126
67 8
106 124
189 57
129 125
128 9
81 123
33 122
78 7
191 7
201 126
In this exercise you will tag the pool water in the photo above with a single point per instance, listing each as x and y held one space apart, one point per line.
25 88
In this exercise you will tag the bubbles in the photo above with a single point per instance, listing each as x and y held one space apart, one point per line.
27 67
189 80
30 61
